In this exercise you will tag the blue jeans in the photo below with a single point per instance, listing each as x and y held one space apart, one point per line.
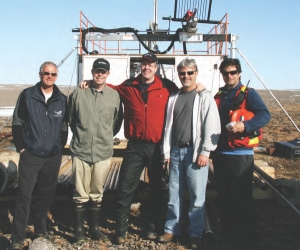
183 170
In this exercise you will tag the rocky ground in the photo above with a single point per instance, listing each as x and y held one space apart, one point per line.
279 225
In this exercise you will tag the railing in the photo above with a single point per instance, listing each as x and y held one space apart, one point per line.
221 28
101 47
96 45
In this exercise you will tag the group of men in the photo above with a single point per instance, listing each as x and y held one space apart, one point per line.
184 127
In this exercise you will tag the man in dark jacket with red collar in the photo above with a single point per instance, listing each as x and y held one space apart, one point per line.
40 132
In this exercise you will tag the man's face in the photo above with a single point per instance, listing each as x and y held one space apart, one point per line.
231 76
99 77
187 76
148 70
49 75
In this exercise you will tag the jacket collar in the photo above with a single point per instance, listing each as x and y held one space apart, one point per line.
224 89
38 92
155 85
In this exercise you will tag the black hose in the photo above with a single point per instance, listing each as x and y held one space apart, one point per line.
259 182
8 174
127 29
3 177
184 48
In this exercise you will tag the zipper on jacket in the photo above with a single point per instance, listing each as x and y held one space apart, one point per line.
145 117
45 131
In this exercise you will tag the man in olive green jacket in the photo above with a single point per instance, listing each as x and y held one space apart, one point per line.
95 116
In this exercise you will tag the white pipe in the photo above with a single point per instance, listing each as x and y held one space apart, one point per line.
66 57
155 13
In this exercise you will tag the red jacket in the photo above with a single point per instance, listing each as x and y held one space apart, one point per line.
145 120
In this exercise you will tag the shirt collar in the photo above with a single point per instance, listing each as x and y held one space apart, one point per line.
102 91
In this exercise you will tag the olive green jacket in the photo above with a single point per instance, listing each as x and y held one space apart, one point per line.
94 118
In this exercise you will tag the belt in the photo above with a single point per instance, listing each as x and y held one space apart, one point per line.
182 144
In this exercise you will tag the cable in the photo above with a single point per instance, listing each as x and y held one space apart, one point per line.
76 62
242 55
9 118
128 29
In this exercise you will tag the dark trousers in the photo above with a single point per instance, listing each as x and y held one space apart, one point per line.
138 155
42 171
234 176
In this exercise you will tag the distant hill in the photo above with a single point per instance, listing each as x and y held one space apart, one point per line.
9 93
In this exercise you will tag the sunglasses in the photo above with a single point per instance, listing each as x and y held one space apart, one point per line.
48 73
225 73
188 72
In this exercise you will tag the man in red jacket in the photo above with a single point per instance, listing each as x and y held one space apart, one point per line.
144 100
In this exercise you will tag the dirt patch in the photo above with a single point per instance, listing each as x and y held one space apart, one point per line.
282 129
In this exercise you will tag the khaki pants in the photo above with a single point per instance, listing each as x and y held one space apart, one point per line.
89 179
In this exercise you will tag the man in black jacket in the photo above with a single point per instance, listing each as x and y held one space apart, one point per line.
40 132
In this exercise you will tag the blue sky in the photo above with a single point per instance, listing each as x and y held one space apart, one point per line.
35 31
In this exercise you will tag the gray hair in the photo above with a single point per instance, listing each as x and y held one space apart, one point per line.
46 64
187 63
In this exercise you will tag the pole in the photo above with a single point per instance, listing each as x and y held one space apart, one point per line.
66 57
155 13
268 89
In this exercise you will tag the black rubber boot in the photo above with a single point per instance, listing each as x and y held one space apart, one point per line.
79 232
94 215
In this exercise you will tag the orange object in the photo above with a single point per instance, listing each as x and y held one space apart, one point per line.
242 139
188 15
241 115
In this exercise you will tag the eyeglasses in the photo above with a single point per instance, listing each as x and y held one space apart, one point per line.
182 73
227 73
48 73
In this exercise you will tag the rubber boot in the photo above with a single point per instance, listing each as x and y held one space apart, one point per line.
94 215
79 232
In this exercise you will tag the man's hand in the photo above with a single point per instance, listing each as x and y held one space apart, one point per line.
199 87
239 127
202 160
84 84
167 161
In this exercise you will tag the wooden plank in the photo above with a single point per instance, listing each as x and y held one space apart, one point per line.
121 145
265 167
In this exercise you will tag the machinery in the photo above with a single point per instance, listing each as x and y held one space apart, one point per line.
123 46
